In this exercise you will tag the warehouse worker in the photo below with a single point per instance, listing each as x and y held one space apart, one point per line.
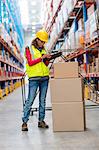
38 74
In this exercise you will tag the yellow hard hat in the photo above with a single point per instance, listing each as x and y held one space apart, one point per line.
42 35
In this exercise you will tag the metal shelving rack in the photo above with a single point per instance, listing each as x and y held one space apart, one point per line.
13 13
11 44
91 47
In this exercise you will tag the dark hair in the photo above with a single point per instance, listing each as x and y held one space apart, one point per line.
35 44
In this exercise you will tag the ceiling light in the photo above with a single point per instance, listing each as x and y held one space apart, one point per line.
33 11
33 27
24 14
33 17
33 3
34 23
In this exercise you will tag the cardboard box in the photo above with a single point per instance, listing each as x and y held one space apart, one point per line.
90 10
66 70
66 90
93 25
81 24
97 65
69 116
87 31
90 1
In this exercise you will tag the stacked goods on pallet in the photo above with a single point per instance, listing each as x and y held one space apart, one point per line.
97 65
71 38
47 13
75 40
55 5
8 38
58 23
93 66
94 25
3 73
65 11
67 98
11 43
79 34
4 34
91 25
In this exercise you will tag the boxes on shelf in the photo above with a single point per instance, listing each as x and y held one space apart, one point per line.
4 34
81 24
66 70
2 73
69 116
61 19
97 65
55 6
82 69
71 38
87 31
15 50
67 44
2 30
72 41
9 73
88 68
93 25
65 11
3 70
66 90
90 10
88 1
79 38
92 68
70 6
7 56
6 70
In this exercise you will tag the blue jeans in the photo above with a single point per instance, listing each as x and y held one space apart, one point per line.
34 84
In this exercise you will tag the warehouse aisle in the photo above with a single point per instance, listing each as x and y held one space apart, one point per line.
11 136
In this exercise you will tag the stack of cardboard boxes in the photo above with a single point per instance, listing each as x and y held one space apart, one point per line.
67 98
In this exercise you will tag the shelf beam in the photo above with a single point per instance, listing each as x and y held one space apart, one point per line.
68 22
8 63
9 78
9 50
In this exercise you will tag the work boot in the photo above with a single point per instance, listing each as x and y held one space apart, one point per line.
24 127
42 124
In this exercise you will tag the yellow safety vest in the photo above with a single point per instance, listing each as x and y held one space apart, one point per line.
39 69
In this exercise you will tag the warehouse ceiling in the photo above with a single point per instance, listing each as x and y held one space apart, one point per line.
31 14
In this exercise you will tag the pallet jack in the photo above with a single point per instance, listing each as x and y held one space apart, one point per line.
51 60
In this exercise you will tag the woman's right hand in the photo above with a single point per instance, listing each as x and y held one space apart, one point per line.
46 56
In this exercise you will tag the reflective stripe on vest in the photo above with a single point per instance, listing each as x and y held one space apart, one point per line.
39 69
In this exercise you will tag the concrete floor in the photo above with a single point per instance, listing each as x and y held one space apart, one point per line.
12 138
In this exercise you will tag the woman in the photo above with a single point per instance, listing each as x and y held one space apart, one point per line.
38 74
